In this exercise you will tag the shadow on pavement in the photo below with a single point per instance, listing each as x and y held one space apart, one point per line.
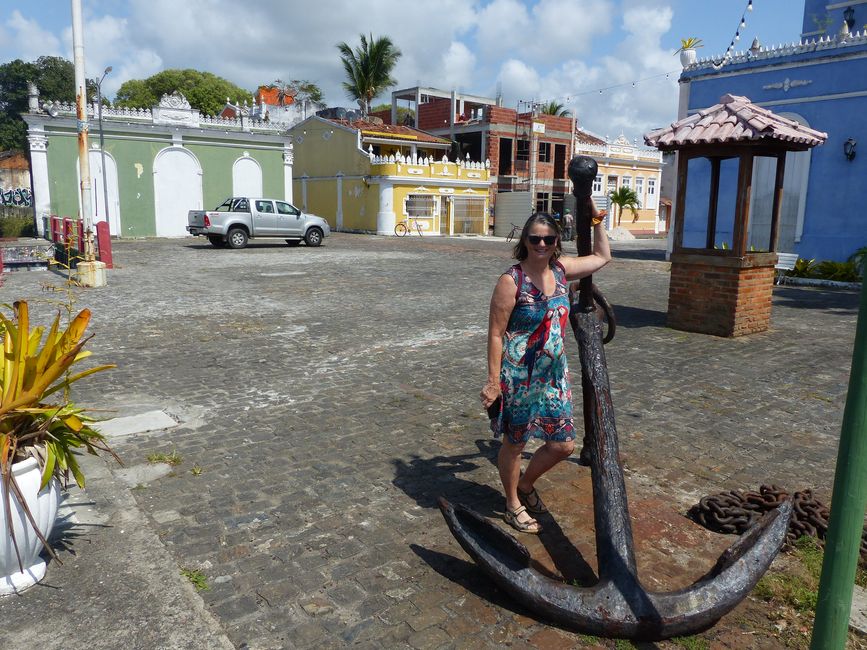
469 576
638 317
842 301
427 479
644 254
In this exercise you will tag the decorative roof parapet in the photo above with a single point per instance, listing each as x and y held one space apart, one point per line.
170 111
734 119
619 151
781 50
415 159
175 109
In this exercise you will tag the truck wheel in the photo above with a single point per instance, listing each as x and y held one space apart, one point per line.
216 241
293 242
237 238
313 237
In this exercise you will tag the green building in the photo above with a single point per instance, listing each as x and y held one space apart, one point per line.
154 165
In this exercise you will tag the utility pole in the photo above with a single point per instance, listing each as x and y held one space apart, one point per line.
90 273
848 501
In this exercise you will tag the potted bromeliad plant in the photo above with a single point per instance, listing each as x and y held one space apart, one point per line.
41 431
687 50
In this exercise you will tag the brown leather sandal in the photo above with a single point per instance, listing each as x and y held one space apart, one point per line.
531 527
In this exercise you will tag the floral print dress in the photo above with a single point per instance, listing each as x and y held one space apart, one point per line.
534 377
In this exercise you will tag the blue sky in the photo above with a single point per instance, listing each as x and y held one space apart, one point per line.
528 50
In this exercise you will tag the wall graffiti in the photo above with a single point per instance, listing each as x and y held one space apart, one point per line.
19 196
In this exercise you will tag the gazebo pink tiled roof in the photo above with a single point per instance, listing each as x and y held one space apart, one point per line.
734 119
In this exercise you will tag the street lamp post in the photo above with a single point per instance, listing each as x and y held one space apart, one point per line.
102 146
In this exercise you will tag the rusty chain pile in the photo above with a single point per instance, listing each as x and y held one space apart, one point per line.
734 512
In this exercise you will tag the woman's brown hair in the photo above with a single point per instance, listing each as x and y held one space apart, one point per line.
520 251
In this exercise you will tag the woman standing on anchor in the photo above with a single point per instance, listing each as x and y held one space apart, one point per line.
527 367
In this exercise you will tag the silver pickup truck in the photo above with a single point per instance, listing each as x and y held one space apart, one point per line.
238 219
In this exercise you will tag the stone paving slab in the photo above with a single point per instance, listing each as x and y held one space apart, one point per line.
326 397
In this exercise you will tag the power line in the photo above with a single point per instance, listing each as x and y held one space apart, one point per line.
728 54
634 84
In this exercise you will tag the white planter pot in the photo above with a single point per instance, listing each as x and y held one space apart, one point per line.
688 57
43 506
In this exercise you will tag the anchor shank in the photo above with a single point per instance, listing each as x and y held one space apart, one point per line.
614 542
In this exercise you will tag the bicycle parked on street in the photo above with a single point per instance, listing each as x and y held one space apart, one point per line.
402 228
513 232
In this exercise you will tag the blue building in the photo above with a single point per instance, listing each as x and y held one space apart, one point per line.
819 81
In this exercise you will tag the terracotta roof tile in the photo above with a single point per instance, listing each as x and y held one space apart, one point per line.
585 138
396 131
734 119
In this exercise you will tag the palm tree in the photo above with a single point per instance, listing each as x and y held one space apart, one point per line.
368 68
554 108
625 197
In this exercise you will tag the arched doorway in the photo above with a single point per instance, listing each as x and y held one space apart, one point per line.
246 177
177 190
794 197
97 191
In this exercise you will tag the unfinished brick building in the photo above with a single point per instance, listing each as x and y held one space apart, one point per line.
528 151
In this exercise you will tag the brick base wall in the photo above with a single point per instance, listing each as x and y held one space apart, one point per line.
720 295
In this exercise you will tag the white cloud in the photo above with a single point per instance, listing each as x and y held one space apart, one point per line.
566 28
23 38
519 81
532 49
251 44
503 25
458 65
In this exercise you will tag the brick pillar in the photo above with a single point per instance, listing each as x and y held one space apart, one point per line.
721 295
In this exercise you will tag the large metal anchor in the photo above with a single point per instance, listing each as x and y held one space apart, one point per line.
617 605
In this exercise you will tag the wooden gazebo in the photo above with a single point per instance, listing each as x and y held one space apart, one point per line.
727 292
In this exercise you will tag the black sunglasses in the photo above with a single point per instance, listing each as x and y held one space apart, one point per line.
550 240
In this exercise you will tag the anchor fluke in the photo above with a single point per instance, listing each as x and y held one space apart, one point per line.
618 606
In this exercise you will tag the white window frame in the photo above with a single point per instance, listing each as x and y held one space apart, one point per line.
414 198
639 190
597 185
651 193
626 181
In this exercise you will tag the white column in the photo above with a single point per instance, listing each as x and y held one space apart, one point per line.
39 175
385 218
339 201
288 159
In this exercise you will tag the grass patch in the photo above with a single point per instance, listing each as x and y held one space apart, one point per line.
798 589
172 459
623 644
196 578
196 470
691 643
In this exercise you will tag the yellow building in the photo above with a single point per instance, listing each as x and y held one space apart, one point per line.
362 176
622 164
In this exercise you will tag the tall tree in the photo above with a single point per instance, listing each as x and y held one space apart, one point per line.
54 76
300 90
204 90
368 68
554 108
625 197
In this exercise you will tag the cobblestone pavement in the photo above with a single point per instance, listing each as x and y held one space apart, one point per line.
329 395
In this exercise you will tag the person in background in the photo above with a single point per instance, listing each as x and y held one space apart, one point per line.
568 225
527 370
